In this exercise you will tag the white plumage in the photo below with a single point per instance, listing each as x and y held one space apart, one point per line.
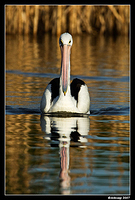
60 95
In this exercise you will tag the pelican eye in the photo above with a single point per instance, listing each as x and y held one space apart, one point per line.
61 42
69 41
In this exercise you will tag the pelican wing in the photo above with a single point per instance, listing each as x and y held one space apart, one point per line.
50 93
79 91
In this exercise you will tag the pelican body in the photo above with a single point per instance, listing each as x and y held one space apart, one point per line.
60 95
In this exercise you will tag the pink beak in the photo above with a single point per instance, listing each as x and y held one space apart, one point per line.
65 52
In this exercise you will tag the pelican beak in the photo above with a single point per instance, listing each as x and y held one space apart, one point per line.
65 52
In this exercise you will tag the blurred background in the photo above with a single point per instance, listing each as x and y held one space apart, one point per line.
76 19
100 56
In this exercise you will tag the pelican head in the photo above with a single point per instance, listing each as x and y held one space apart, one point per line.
65 39
65 43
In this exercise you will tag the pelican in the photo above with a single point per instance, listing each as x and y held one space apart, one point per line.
60 96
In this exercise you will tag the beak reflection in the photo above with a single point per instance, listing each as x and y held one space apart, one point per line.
64 133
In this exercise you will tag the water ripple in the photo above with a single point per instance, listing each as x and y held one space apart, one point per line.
103 111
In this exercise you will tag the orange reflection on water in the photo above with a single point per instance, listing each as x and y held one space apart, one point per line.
108 135
29 63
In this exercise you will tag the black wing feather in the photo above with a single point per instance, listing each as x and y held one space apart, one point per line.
75 87
55 84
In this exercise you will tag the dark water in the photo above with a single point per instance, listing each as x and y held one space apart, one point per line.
72 155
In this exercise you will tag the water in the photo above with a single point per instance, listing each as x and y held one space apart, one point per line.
72 155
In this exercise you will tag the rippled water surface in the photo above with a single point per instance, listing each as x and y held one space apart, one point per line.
71 155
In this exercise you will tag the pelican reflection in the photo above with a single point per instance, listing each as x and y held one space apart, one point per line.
65 132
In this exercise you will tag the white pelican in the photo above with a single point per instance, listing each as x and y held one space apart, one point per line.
60 96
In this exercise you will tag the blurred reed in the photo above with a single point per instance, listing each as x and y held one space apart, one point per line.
76 19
